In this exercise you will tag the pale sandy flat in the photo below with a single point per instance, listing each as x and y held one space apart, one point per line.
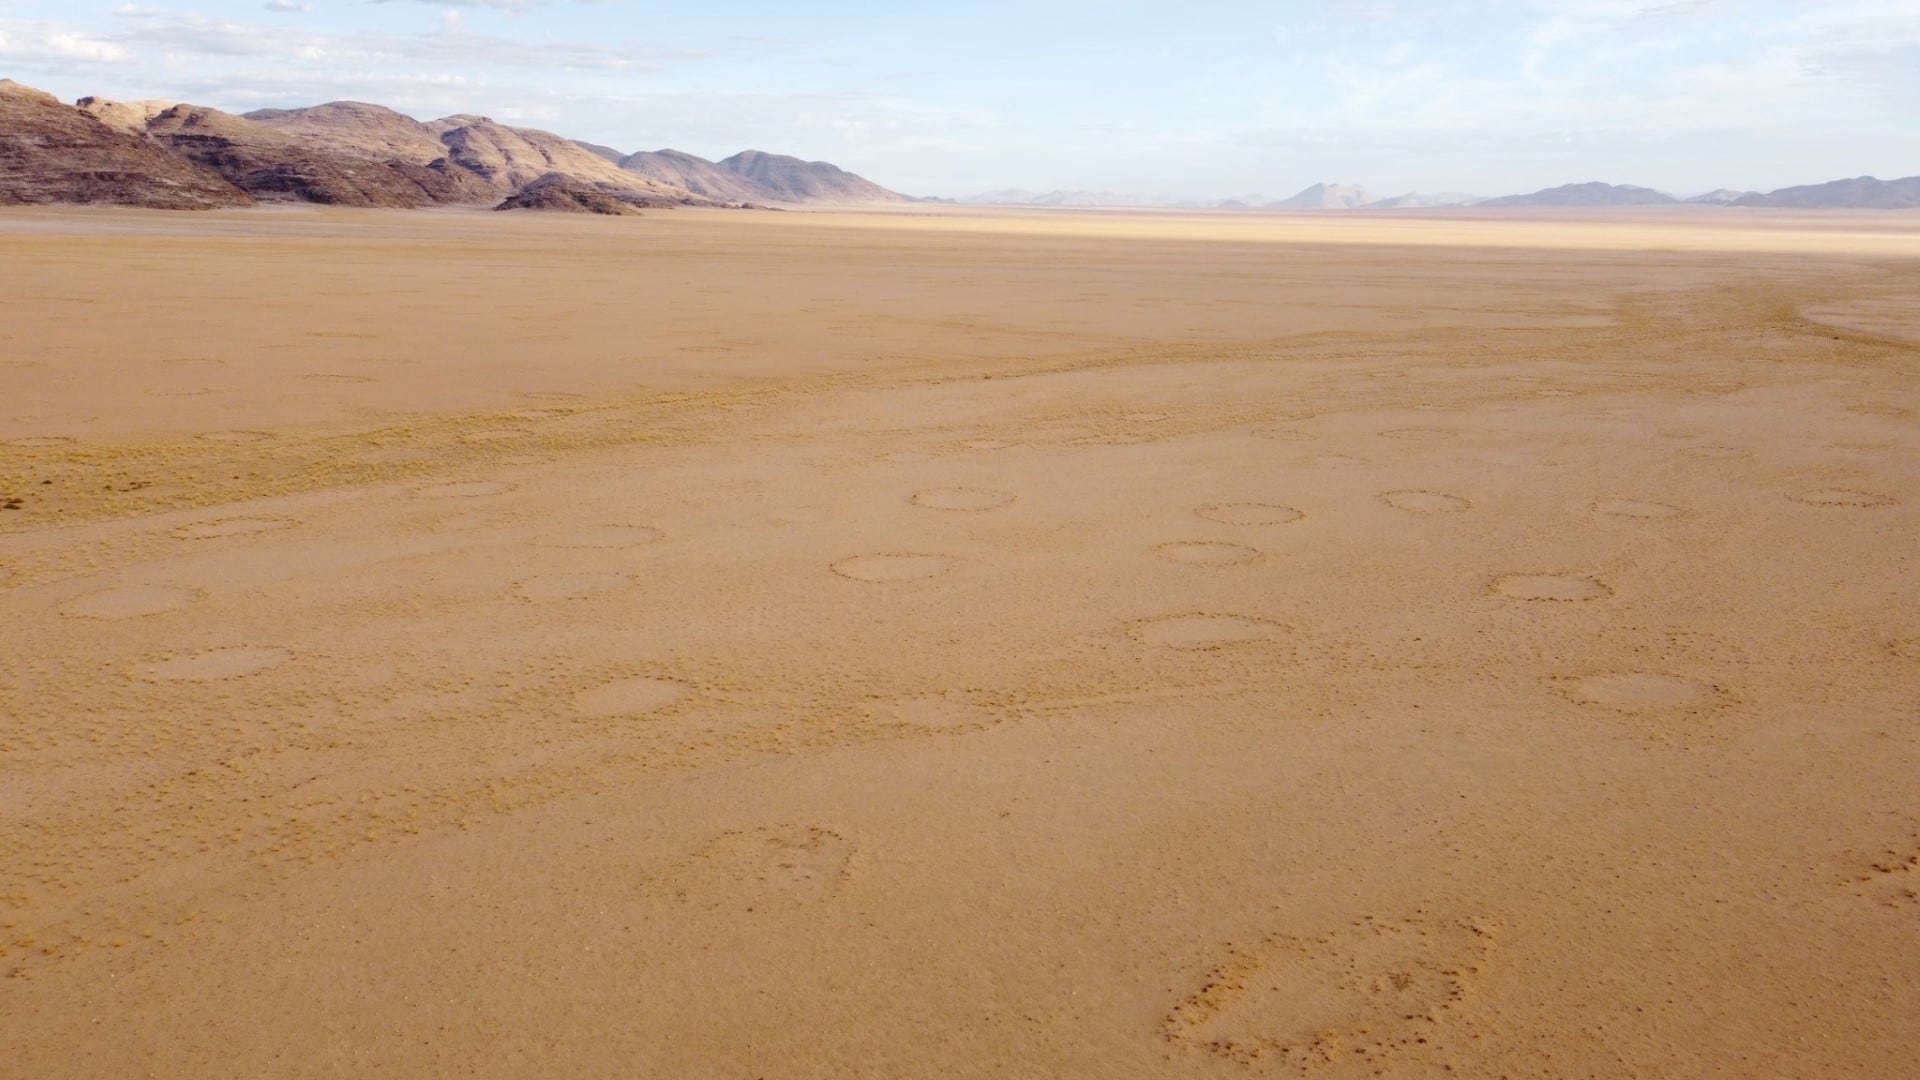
942 644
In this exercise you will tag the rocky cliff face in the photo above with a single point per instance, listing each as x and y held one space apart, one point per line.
54 153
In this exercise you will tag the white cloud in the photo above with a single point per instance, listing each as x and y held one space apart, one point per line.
35 44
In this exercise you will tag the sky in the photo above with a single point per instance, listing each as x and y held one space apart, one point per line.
1199 99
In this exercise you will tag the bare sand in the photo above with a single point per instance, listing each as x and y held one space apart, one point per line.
961 645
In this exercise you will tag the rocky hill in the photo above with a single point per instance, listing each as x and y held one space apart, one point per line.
696 174
270 164
791 180
55 153
511 158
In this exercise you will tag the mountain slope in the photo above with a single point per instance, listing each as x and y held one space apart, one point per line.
54 153
789 179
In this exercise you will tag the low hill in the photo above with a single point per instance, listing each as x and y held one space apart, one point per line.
566 194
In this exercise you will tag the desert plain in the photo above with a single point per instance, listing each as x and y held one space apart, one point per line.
959 644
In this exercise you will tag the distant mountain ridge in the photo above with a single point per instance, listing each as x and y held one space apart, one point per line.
1592 193
1859 193
346 153
1322 196
1864 193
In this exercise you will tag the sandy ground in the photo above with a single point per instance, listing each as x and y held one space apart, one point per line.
997 645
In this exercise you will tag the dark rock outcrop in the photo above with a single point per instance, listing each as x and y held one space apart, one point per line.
566 194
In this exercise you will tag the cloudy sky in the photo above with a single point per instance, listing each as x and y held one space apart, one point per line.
1197 98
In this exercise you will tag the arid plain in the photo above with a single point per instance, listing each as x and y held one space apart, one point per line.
832 645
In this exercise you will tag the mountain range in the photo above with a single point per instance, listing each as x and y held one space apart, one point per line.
181 156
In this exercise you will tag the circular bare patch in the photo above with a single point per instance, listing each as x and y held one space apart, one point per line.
129 603
631 697
1206 553
1202 631
577 586
467 489
1841 497
40 442
1249 514
1637 508
1551 587
882 569
215 664
967 499
1425 502
1640 690
235 436
607 536
239 526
